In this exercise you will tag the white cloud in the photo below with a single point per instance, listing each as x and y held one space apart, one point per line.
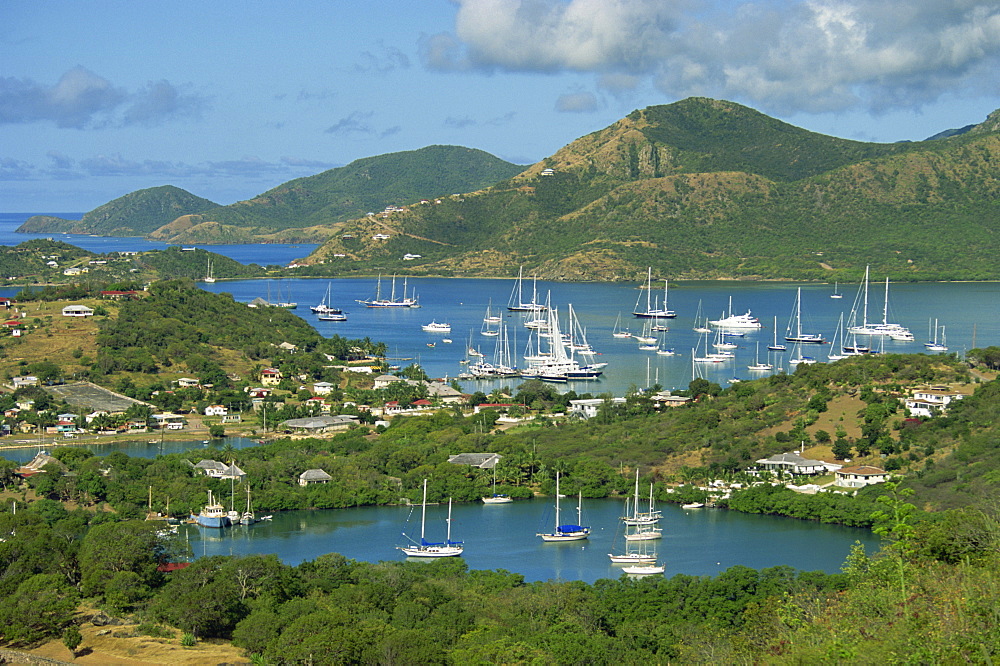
779 55
82 99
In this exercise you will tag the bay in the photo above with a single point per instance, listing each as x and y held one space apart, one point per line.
970 312
263 254
699 542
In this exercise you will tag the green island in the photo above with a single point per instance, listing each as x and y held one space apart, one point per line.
86 566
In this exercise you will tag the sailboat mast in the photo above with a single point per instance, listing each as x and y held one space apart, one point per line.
864 319
423 513
448 538
649 286
557 501
885 304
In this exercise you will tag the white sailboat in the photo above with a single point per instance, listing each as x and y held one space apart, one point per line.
653 309
497 498
700 322
208 274
566 532
797 357
517 302
618 331
836 353
757 366
775 346
934 345
874 328
424 548
836 292
795 334
324 306
650 517
392 302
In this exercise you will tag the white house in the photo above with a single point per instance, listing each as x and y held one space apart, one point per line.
588 408
931 401
77 311
216 410
322 388
860 476
796 464
311 476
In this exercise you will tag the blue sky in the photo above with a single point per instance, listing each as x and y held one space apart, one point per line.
228 99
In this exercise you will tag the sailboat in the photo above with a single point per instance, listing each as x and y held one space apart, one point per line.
835 353
798 359
618 331
208 274
516 302
836 292
874 328
796 334
491 323
934 345
653 310
392 301
757 365
324 306
446 548
700 323
496 498
567 532
774 346
636 522
650 517
248 517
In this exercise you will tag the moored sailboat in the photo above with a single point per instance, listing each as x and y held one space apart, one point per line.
567 532
424 548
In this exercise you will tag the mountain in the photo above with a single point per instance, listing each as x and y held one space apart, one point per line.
306 209
707 189
135 214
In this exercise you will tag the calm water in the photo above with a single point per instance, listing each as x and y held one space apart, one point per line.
695 542
970 313
137 449
261 254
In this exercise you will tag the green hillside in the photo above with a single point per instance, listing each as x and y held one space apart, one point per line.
334 196
135 214
708 189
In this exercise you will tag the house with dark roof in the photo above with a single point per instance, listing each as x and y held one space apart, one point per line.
323 423
793 463
311 476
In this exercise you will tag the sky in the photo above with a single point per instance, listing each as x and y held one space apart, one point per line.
229 99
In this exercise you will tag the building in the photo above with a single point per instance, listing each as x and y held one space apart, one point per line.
860 476
216 410
77 311
480 460
383 381
928 402
270 376
219 470
26 380
587 409
321 424
793 463
187 382
322 388
168 421
311 476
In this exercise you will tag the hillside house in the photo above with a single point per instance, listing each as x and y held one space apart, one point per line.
216 410
928 402
313 476
793 463
587 409
77 311
322 388
270 376
860 476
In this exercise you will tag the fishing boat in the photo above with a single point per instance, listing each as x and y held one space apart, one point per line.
213 514
516 303
568 532
737 321
436 327
208 273
497 498
934 345
324 307
425 548
793 332
392 302
653 309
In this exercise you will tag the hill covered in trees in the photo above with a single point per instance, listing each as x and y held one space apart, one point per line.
709 189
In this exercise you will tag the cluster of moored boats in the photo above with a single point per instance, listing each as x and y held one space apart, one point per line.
214 514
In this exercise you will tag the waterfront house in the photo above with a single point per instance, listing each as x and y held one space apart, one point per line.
588 408
860 476
793 463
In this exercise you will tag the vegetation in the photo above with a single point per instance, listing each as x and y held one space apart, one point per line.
135 214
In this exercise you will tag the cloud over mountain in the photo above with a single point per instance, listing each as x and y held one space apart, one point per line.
817 55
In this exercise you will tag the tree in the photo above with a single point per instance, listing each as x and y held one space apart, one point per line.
112 548
72 638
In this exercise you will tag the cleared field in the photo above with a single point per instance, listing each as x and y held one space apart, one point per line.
91 396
